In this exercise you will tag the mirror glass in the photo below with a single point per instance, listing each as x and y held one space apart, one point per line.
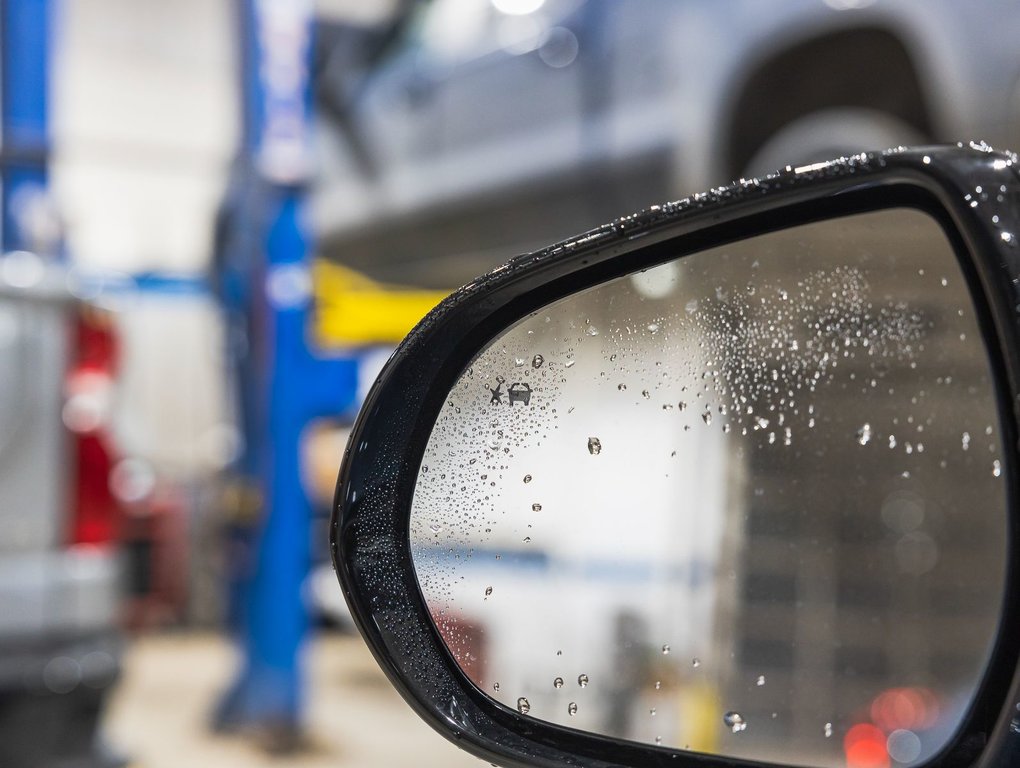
750 502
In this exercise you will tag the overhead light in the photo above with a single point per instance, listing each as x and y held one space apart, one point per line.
518 7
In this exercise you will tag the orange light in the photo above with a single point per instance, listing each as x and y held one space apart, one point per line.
905 708
865 747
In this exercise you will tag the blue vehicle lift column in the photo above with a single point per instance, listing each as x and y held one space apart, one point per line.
24 90
265 278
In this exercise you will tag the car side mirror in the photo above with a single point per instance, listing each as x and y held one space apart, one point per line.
728 482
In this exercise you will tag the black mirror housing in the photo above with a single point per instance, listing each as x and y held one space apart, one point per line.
972 191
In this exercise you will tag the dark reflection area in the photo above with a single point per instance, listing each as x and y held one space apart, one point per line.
752 504
855 576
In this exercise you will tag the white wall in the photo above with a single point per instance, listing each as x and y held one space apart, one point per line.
145 120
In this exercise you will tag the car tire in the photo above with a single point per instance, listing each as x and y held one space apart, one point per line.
830 133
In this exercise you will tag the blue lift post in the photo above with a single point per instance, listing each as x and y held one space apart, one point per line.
24 90
293 385
287 384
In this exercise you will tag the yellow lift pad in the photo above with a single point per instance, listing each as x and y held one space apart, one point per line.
354 310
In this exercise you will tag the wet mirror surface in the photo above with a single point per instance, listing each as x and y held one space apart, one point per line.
750 502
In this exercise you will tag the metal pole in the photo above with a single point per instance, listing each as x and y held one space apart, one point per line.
24 135
293 384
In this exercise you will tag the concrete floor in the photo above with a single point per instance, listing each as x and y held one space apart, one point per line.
158 715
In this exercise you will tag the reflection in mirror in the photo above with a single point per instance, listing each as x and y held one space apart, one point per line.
749 502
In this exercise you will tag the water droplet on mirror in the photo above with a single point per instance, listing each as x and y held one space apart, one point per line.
526 539
645 394
695 662
761 681
864 434
996 468
488 591
572 709
569 364
892 441
665 649
582 680
593 331
658 739
658 684
594 446
435 527
518 362
495 687
828 730
622 387
558 682
707 417
965 440
527 478
652 712
735 722
523 705
536 507
536 361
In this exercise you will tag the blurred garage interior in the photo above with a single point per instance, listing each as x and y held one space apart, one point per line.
218 219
